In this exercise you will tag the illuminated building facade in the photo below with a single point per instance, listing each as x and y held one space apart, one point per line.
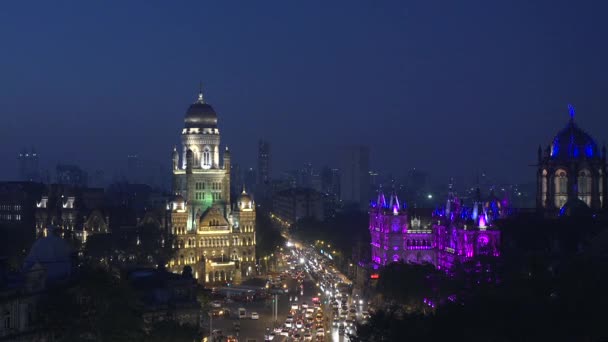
455 234
571 173
75 212
216 240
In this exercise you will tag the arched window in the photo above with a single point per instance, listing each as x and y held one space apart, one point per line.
584 186
601 186
561 188
543 183
206 158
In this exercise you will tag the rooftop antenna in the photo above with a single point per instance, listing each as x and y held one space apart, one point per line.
572 112
200 92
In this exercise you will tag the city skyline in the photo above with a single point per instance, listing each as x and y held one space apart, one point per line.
399 80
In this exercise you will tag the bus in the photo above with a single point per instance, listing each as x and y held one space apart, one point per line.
242 313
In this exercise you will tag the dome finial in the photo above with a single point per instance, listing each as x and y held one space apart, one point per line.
200 93
572 112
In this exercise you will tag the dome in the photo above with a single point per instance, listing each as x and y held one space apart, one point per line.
573 143
244 201
179 199
200 115
54 254
575 207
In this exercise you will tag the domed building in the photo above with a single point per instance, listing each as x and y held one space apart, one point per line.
54 255
570 169
216 240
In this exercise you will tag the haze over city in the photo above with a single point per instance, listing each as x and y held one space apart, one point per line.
454 88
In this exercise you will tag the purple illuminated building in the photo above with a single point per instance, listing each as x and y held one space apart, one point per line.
454 234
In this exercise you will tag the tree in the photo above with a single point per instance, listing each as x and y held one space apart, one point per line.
97 307
170 331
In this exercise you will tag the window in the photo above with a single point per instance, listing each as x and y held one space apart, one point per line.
584 186
206 158
544 188
561 188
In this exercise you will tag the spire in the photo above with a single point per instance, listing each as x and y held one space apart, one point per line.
381 198
200 93
572 112
244 192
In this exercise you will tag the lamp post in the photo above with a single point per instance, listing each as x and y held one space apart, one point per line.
210 326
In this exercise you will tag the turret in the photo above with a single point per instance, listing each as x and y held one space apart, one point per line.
381 200
175 158
226 190
394 204
227 159
189 161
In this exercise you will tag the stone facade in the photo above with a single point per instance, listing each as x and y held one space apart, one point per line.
571 173
216 239
454 235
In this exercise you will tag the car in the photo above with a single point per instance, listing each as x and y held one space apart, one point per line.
216 304
284 332
299 324
294 307
307 337
288 324
254 315
341 329
320 332
353 311
270 336
231 338
305 305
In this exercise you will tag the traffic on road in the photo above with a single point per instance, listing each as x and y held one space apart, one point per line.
308 299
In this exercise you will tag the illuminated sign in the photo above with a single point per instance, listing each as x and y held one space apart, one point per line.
375 276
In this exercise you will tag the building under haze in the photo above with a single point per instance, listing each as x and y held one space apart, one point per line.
291 205
71 175
29 169
354 177
263 162
214 238
571 176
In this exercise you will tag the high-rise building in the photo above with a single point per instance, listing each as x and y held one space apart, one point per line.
354 178
263 163
71 175
28 165
291 205
215 239
133 168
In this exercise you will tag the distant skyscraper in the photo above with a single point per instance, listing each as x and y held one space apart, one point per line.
28 165
354 178
133 168
71 175
263 162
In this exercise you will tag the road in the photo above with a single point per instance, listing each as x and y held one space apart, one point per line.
255 329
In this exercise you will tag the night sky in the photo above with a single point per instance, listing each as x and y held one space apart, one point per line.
452 87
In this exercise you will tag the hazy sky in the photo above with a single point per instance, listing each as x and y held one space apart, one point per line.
452 87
